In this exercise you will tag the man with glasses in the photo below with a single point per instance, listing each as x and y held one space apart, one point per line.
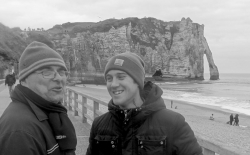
35 122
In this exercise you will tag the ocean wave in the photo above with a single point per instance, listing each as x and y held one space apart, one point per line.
238 109
230 103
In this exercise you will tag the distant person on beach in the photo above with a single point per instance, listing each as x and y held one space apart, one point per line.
138 121
10 80
212 117
35 122
231 119
236 120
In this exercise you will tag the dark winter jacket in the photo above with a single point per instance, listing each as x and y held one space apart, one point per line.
25 130
150 129
10 79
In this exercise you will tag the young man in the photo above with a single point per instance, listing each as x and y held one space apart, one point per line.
138 121
10 80
35 122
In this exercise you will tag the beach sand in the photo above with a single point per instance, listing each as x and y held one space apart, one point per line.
234 138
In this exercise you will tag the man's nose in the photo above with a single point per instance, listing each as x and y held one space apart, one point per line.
115 83
57 76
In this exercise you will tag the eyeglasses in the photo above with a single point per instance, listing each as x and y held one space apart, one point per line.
48 74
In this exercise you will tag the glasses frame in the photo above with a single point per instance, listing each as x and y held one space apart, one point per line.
54 74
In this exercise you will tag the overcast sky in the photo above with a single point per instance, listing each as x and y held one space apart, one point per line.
227 22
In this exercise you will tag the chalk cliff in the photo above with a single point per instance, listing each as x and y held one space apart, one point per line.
177 47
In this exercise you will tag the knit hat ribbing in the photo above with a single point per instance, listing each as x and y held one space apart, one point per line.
130 63
37 55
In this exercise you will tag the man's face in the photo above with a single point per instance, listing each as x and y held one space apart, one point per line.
51 89
122 89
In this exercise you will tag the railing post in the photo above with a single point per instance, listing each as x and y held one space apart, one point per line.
207 151
84 109
96 107
70 99
75 104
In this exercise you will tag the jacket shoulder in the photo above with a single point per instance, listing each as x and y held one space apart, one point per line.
169 116
18 117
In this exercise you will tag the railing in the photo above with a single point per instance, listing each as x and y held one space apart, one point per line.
80 105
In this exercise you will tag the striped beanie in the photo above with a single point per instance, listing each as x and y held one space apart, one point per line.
38 55
130 63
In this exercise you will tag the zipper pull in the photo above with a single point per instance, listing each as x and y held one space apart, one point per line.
125 114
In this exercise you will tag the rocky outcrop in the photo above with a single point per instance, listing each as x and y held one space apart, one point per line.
214 73
177 47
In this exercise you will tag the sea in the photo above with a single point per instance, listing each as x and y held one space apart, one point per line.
230 92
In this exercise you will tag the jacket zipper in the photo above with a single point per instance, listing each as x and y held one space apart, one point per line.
126 115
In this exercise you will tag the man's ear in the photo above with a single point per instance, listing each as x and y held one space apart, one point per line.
24 82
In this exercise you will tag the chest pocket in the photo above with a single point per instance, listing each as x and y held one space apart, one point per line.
107 145
151 145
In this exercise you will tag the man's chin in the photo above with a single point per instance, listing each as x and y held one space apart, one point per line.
116 102
57 100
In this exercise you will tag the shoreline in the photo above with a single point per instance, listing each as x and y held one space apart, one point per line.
190 111
210 107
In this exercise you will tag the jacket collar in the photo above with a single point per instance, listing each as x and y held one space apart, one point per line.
41 116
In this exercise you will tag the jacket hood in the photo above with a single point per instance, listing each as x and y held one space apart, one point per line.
152 95
153 102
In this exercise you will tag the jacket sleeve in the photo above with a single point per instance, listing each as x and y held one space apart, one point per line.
184 139
90 150
19 142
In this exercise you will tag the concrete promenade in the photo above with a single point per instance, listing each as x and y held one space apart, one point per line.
82 129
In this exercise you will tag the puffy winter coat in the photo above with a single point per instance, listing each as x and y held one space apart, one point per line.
147 130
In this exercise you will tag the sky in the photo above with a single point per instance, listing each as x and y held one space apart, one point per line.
227 22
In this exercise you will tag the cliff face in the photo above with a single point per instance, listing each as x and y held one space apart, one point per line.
176 47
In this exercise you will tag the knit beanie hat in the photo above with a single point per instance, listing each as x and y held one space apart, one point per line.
130 63
37 55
